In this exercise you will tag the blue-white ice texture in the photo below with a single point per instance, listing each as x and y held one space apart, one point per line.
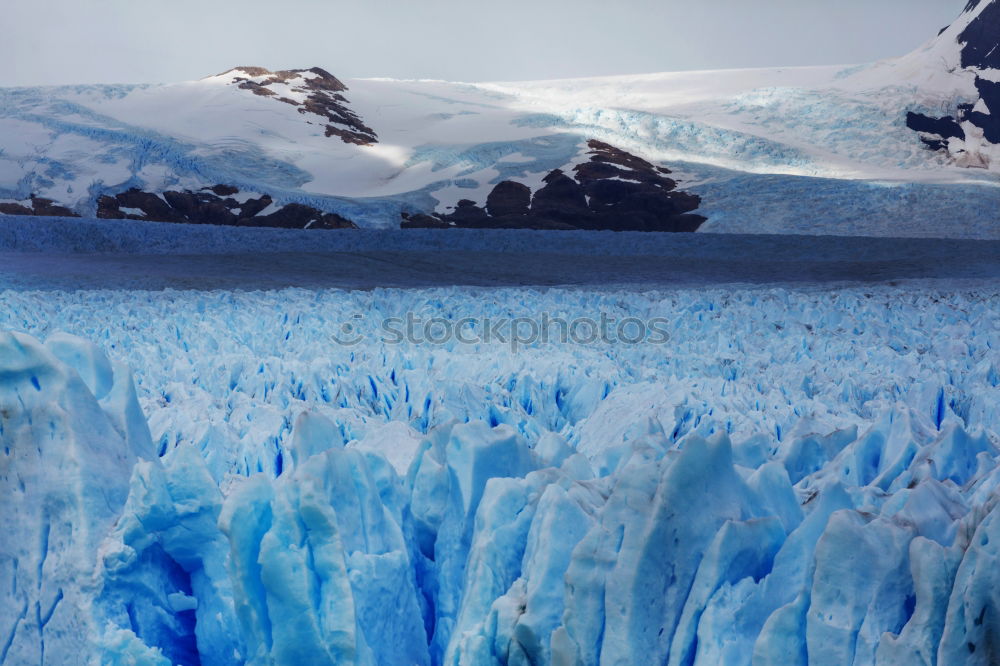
798 476
754 195
242 163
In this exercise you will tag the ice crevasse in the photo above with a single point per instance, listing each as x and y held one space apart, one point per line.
472 544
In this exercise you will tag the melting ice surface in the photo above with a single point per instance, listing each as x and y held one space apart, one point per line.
207 477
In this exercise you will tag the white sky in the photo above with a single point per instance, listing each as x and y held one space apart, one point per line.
110 41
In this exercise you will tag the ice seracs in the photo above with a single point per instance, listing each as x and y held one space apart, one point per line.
71 431
799 472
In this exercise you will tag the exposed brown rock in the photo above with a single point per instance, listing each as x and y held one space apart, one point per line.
214 212
421 221
324 80
39 206
107 208
257 89
185 203
685 201
249 71
688 222
323 99
606 161
349 137
254 206
14 209
468 214
613 190
153 207
297 216
561 196
509 198
213 205
605 152
42 206
223 190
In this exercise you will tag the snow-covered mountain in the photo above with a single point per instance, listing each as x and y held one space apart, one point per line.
971 135
899 147
223 446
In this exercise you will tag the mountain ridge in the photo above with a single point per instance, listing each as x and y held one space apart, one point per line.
786 150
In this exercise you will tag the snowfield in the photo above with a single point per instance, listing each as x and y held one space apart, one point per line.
817 150
794 473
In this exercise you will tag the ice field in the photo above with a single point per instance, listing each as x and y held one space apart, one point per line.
803 150
775 442
791 474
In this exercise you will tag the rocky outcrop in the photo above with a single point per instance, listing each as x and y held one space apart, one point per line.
935 132
967 134
509 198
989 121
560 197
215 205
981 37
36 206
11 208
315 92
613 190
421 221
468 214
297 216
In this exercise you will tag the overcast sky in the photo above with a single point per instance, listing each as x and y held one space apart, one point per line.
109 41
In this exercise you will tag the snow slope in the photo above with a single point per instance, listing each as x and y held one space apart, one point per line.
741 138
786 475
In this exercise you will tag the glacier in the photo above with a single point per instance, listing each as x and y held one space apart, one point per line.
806 150
212 453
852 162
800 474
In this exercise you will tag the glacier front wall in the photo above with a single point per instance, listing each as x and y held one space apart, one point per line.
796 477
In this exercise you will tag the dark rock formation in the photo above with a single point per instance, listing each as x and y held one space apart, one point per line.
151 205
38 206
252 207
48 207
224 190
981 38
15 209
980 49
215 205
421 221
509 198
561 197
989 93
935 132
468 214
613 190
323 98
297 216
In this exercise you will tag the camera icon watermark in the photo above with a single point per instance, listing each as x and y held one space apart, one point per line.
350 333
